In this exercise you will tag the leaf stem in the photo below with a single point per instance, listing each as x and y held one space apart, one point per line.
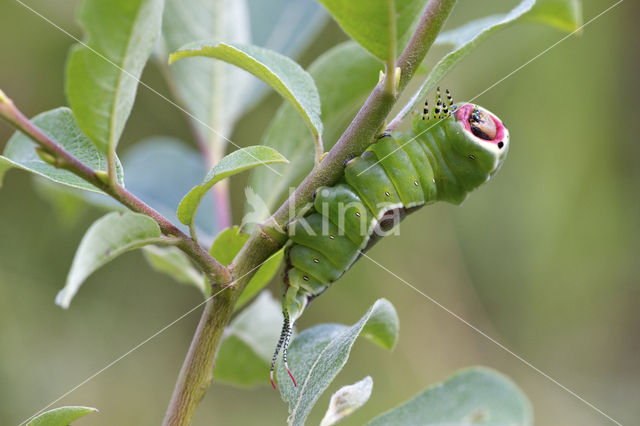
220 193
365 126
214 270
389 78
111 168
319 148
222 204
432 21
216 141
192 231
270 236
196 372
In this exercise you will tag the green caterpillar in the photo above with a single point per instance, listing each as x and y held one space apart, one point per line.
441 161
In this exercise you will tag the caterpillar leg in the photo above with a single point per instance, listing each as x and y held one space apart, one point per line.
441 161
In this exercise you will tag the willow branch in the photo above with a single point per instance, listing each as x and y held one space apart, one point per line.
63 160
195 375
270 236
367 123
390 71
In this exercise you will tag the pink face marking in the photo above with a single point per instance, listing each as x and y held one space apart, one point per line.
468 114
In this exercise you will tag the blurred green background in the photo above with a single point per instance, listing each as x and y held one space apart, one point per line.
545 259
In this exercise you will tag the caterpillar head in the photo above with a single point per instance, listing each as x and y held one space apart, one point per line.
471 143
474 148
480 135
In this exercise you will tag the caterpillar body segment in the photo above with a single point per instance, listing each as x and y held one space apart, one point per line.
439 160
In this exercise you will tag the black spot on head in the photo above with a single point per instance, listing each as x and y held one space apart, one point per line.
482 125
479 133
500 144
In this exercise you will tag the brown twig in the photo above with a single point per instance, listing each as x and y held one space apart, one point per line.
214 270
269 236
196 373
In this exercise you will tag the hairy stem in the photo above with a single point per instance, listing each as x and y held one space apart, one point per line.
196 373
214 270
111 169
219 121
389 77
319 149
433 19
220 193
370 118
269 236
222 204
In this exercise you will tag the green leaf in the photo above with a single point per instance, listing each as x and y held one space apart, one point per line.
234 163
284 75
160 170
173 262
225 248
245 352
228 244
261 278
346 400
468 37
61 416
566 15
61 126
345 76
215 94
106 239
476 395
318 354
367 22
102 78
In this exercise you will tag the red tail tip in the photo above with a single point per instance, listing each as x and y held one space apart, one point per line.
292 378
272 382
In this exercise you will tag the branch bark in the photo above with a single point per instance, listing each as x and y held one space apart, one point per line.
197 369
270 236
367 123
196 373
214 270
